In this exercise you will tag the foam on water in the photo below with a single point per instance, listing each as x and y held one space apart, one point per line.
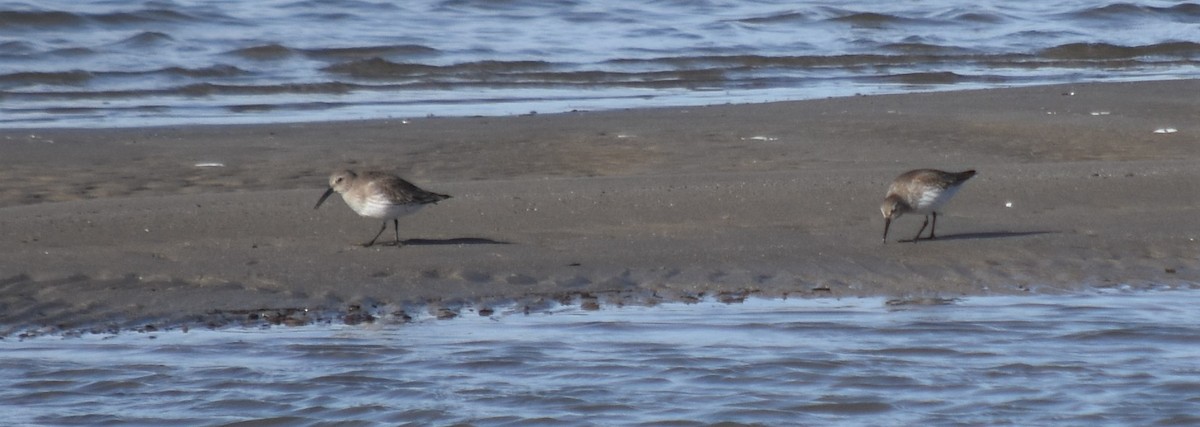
1122 358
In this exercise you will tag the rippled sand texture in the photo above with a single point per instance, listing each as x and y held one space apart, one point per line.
104 63
122 227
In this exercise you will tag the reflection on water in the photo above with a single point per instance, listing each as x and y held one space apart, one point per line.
1120 358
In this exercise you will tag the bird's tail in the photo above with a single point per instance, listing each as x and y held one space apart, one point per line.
435 197
963 176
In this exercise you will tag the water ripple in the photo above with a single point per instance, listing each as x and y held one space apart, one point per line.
108 63
1112 358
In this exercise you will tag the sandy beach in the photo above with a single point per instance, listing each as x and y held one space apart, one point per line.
212 225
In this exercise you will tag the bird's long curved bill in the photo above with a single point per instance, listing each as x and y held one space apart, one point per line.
323 197
887 223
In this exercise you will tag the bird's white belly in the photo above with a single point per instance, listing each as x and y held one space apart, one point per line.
380 207
932 200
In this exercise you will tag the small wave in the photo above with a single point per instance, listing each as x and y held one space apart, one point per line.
264 52
980 17
874 20
799 61
922 48
55 18
1111 51
378 68
937 78
251 108
593 17
370 52
1112 10
371 6
146 39
38 19
673 78
864 407
63 78
205 89
1043 35
779 18
219 70
1123 11
79 78
867 18
190 90
71 52
16 48
491 75
141 17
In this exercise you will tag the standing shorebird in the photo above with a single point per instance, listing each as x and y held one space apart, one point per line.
379 195
922 191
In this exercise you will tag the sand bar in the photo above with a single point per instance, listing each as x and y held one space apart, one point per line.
116 228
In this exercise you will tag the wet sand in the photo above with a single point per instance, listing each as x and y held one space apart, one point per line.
119 228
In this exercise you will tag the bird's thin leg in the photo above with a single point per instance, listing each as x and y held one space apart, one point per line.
396 226
372 242
933 227
923 224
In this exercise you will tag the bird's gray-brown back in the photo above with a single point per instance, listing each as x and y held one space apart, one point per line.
398 190
934 177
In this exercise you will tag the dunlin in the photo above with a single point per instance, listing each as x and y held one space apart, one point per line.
379 195
922 191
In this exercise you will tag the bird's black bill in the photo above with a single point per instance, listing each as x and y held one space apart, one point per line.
323 197
887 223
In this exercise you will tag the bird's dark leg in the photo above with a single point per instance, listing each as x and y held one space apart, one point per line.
372 242
396 226
933 227
923 224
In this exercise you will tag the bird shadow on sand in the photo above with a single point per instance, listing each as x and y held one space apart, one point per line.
454 241
984 235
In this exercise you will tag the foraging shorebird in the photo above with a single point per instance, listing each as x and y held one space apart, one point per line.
379 195
922 191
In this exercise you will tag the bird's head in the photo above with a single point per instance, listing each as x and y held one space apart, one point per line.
893 206
338 182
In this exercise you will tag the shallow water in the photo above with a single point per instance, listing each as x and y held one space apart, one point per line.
122 63
1107 358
